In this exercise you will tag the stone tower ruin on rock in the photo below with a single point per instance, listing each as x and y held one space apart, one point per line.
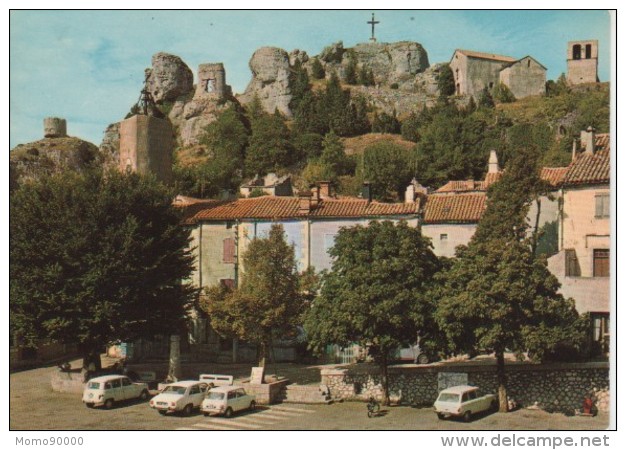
582 62
146 140
212 81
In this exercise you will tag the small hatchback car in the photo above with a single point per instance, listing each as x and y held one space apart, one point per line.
180 396
109 389
463 401
227 400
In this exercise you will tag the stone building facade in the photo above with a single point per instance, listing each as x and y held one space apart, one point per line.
582 62
475 71
146 145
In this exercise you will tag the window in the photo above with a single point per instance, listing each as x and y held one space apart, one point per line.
194 390
576 51
572 268
116 383
229 251
528 63
601 332
126 382
443 237
490 84
588 51
603 205
472 395
601 262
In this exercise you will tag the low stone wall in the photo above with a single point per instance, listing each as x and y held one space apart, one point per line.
68 382
266 393
552 387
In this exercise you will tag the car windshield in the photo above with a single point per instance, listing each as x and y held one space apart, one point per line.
94 385
178 390
215 396
446 397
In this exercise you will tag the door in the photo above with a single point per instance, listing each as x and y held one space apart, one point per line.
128 389
196 395
116 392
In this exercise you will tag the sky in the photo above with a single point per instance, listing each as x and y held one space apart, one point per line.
88 66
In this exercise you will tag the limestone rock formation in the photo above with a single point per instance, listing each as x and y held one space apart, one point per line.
49 156
270 80
169 77
110 145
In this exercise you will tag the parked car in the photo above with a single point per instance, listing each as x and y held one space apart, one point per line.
415 354
109 389
180 396
227 400
463 401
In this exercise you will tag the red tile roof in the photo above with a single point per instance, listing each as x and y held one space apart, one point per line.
603 141
589 169
481 55
459 208
270 208
461 186
553 175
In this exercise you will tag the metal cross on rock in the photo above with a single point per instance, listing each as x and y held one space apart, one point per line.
373 23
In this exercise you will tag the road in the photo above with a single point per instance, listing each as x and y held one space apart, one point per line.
34 406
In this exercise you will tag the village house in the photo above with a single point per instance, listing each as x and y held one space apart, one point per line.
582 264
475 71
222 230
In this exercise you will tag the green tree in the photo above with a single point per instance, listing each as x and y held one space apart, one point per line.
317 70
351 75
388 167
298 84
97 259
445 81
334 157
497 296
377 292
366 76
270 301
485 99
503 94
558 87
410 126
270 148
386 123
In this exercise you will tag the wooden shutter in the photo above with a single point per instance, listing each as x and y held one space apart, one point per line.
601 262
229 251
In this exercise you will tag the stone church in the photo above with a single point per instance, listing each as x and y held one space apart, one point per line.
473 71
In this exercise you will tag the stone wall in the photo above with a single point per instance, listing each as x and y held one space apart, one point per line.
552 387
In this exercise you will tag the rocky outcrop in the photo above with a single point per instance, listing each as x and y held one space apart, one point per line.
110 145
51 155
169 77
270 80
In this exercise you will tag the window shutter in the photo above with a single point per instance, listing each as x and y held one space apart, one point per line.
601 263
229 251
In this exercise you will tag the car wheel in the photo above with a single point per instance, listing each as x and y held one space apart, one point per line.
494 405
467 417
144 395
229 412
441 416
252 405
188 409
109 403
89 405
162 412
423 358
206 414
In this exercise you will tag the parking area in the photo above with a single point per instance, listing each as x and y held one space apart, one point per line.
34 406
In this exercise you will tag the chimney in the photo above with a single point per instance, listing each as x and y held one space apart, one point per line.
493 162
366 192
471 184
588 140
305 203
574 149
324 189
409 194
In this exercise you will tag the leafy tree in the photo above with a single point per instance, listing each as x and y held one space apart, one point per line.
388 167
225 141
497 296
350 75
334 157
270 300
445 81
503 94
97 259
409 127
485 100
366 76
558 87
317 70
385 123
307 145
270 148
376 293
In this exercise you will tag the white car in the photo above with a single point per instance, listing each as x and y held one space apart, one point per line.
463 401
180 396
109 389
227 400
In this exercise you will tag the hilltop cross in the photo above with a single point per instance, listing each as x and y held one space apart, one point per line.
373 23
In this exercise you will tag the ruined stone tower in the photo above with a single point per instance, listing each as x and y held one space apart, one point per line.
212 81
146 141
582 62
54 127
